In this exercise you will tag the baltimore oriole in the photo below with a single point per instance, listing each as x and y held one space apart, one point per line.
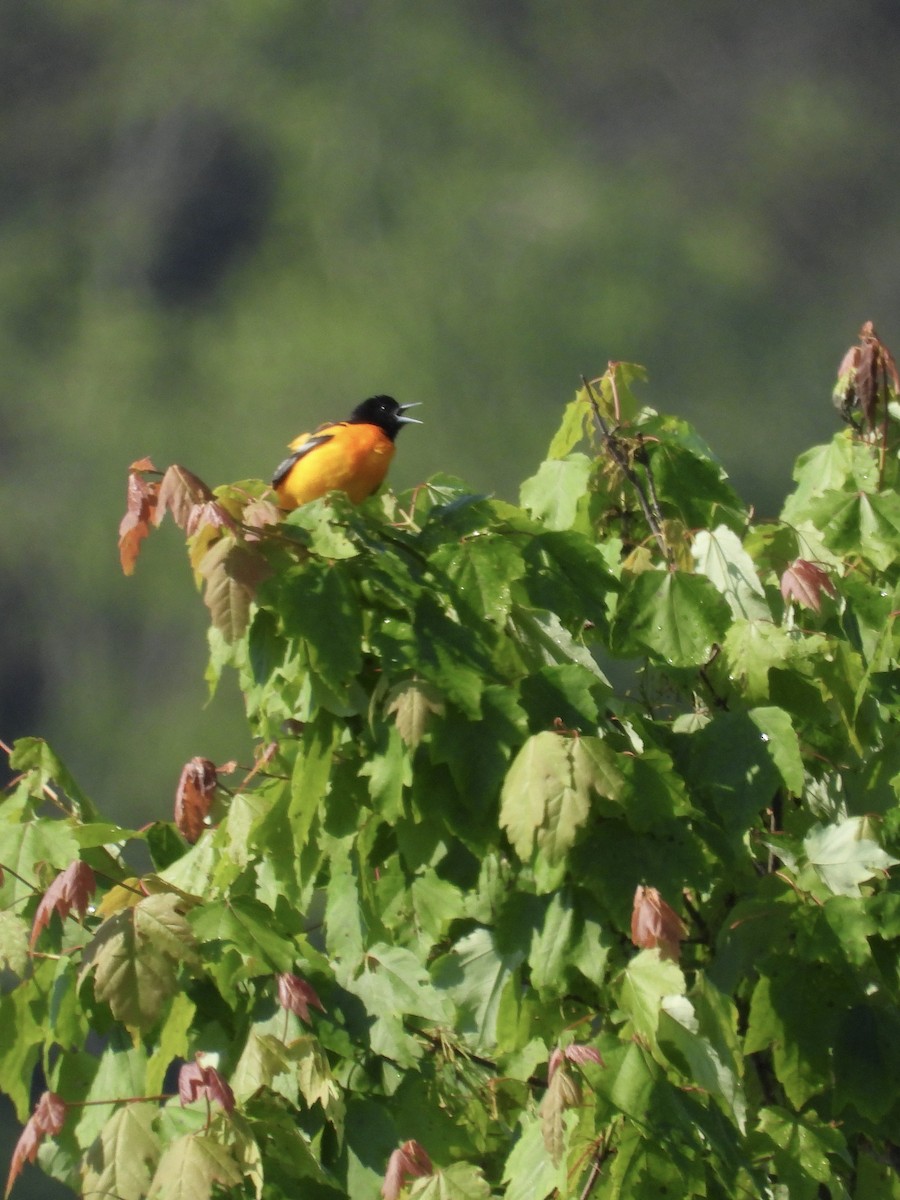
349 456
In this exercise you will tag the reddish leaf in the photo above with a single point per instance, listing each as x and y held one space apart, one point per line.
805 582
584 1054
198 1082
866 374
194 796
140 510
296 995
654 923
179 492
260 513
209 512
411 1161
48 1118
69 892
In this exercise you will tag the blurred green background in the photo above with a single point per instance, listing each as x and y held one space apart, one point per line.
223 222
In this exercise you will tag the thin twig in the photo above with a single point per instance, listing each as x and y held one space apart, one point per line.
621 460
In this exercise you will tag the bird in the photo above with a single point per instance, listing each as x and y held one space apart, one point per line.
349 456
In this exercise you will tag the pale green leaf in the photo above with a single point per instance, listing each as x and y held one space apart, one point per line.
473 974
720 556
552 495
461 1181
190 1167
643 984
14 933
122 1160
844 857
137 955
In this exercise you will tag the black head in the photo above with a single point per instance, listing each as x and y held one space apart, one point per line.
385 412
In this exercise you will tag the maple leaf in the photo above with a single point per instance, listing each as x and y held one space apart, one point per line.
654 923
140 511
296 995
209 513
580 1054
411 1161
196 1081
412 704
194 796
805 582
179 492
48 1118
69 892
232 573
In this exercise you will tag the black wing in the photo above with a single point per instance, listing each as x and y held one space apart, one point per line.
282 470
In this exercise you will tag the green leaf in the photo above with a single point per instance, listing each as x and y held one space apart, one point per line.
190 1167
461 1181
720 556
546 794
552 495
681 1040
859 523
13 942
24 846
320 605
802 1148
47 769
576 425
844 857
481 573
751 648
643 984
796 1011
473 974
137 956
122 1160
529 1172
670 616
867 1060
247 925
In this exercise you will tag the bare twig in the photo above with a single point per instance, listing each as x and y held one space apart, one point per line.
621 460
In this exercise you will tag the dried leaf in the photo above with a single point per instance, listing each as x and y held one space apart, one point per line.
196 1081
866 376
48 1118
411 1161
296 995
654 923
179 492
140 511
805 581
562 1093
194 796
69 892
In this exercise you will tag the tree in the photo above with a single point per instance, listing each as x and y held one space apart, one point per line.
564 866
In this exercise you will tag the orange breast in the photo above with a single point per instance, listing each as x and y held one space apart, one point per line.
354 459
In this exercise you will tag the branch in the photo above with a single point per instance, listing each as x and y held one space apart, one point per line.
621 461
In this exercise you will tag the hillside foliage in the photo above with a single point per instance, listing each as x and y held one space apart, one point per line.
564 867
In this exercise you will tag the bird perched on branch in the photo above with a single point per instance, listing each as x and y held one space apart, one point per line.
349 456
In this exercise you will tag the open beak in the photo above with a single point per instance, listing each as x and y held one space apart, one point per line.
409 420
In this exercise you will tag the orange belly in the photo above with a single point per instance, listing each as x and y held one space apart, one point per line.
354 459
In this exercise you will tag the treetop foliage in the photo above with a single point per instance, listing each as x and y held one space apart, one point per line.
563 867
